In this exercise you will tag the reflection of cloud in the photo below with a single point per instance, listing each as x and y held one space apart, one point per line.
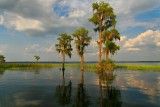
145 87
142 83
21 101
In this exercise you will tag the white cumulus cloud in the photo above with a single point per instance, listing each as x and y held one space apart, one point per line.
1 19
148 39
76 13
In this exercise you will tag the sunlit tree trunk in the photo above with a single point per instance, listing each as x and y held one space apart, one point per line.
100 45
107 55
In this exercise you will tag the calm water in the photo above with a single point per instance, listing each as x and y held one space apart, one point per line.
48 88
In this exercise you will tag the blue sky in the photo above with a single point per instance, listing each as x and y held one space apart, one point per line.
31 27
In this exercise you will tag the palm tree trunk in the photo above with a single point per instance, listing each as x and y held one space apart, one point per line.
63 62
100 46
82 63
107 55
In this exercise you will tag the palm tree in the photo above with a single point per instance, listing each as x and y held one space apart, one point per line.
103 18
64 46
81 40
110 47
37 57
2 59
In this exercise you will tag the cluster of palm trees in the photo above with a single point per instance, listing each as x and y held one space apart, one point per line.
81 40
104 20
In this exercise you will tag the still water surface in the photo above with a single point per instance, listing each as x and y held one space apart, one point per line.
49 88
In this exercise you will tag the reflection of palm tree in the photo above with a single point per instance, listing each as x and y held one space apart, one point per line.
110 96
81 98
37 70
63 92
2 71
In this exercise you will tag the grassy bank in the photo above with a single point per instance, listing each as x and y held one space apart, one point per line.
87 66
139 67
33 65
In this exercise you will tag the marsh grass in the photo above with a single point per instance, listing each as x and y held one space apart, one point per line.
139 67
34 65
90 67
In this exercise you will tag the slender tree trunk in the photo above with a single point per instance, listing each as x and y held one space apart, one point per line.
107 55
63 62
100 46
82 63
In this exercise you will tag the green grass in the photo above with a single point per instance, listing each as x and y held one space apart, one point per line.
139 67
34 65
87 66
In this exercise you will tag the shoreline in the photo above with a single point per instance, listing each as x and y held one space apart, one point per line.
87 66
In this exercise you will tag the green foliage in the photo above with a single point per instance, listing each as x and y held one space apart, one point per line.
108 65
81 40
64 45
103 16
111 47
2 59
37 57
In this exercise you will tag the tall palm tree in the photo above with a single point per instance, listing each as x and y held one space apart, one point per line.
103 18
81 40
37 57
64 46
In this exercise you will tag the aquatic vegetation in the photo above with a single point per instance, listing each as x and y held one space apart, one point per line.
139 67
88 66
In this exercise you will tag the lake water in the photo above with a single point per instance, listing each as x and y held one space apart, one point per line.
49 88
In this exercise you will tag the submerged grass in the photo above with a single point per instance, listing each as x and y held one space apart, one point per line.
91 67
